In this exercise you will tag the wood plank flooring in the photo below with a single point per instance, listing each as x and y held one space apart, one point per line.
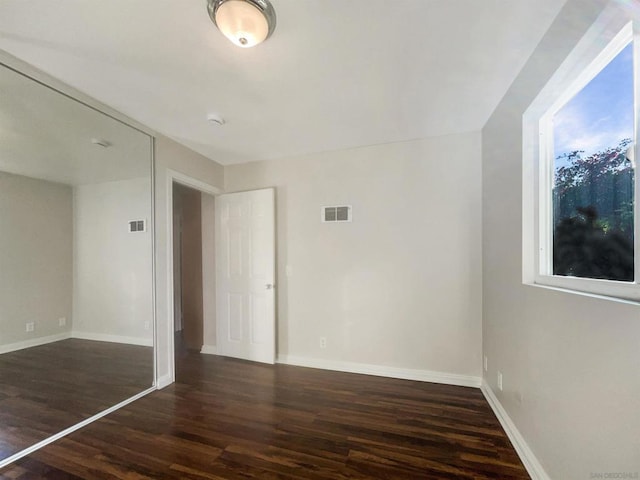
48 388
230 419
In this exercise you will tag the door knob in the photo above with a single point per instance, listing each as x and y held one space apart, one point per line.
270 286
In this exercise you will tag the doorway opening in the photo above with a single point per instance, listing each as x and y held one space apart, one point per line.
193 272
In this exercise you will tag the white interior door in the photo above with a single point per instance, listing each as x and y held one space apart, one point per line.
245 275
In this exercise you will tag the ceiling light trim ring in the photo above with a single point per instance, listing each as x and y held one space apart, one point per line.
264 6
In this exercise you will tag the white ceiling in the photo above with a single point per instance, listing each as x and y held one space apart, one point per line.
335 74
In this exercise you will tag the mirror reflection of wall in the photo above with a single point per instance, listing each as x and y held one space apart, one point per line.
76 301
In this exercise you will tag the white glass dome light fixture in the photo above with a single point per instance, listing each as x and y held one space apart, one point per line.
245 22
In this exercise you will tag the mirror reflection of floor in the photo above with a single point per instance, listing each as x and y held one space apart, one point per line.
48 388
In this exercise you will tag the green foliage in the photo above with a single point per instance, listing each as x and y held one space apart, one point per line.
580 170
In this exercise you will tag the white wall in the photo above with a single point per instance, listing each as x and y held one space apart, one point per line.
113 277
401 285
35 258
570 362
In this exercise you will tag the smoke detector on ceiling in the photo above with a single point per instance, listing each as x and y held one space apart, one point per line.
215 119
100 142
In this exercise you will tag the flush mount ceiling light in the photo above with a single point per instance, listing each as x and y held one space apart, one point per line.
245 22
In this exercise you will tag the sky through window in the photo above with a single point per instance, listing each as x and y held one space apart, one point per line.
601 114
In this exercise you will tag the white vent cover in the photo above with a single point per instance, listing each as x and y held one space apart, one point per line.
136 226
332 214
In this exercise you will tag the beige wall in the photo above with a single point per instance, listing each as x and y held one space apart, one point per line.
188 202
401 285
35 257
209 271
570 362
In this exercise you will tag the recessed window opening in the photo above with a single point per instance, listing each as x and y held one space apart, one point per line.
580 180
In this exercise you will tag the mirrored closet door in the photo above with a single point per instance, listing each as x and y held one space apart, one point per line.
76 256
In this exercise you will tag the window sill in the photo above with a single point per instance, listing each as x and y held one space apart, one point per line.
626 293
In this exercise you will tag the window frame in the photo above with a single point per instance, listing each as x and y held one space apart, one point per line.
613 31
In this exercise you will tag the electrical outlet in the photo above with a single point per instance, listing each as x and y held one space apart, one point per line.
62 321
486 364
147 325
30 327
500 381
323 342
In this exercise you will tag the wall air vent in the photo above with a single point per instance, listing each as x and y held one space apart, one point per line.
136 226
340 213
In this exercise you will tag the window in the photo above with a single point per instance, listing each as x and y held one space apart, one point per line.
592 194
585 218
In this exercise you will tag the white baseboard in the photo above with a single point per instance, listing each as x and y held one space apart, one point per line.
529 460
103 337
164 381
383 371
209 350
35 342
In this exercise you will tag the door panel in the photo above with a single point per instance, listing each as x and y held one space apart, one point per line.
245 251
234 318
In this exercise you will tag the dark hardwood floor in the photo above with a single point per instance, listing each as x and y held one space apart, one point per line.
48 388
231 419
